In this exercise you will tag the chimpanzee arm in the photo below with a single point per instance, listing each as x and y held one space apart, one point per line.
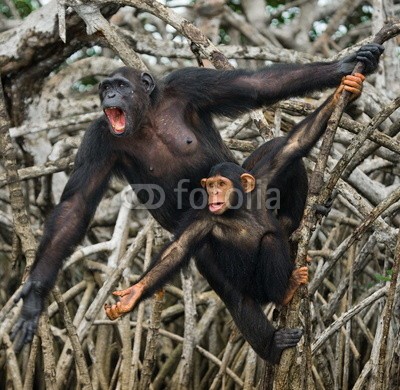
247 313
64 228
165 265
175 254
305 134
233 92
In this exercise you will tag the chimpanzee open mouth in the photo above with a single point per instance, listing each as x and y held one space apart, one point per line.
214 207
116 117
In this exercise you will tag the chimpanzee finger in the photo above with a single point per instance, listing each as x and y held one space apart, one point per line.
18 344
31 327
354 85
111 312
16 329
369 64
369 54
372 51
353 88
293 337
121 293
300 275
19 335
23 292
373 47
303 271
286 338
369 60
107 309
354 78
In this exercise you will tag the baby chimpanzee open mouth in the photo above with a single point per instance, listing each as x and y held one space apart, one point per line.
116 118
216 206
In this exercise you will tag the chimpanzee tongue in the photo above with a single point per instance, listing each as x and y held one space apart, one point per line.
117 119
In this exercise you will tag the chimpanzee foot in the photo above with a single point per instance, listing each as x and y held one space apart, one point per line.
127 301
324 209
286 338
299 276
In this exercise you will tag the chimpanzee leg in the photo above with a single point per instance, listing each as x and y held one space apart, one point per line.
248 315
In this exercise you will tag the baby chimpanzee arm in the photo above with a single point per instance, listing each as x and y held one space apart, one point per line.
166 264
305 134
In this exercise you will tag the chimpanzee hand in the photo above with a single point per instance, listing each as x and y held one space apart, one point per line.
286 338
33 294
128 300
282 339
367 54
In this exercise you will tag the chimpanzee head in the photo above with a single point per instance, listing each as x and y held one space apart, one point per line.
226 186
125 98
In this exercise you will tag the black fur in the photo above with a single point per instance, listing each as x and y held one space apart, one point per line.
170 136
244 253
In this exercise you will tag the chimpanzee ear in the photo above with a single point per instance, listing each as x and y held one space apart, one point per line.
148 82
248 182
203 182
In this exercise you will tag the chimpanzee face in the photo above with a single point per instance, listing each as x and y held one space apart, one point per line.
220 192
223 193
125 98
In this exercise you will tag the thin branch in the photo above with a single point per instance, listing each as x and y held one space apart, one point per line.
20 216
356 144
347 316
381 367
310 218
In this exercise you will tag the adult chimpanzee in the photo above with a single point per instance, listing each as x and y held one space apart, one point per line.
158 133
239 245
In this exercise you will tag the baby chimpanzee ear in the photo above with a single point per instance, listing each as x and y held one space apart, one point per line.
248 182
203 182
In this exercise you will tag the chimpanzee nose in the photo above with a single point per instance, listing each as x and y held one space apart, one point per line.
111 95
